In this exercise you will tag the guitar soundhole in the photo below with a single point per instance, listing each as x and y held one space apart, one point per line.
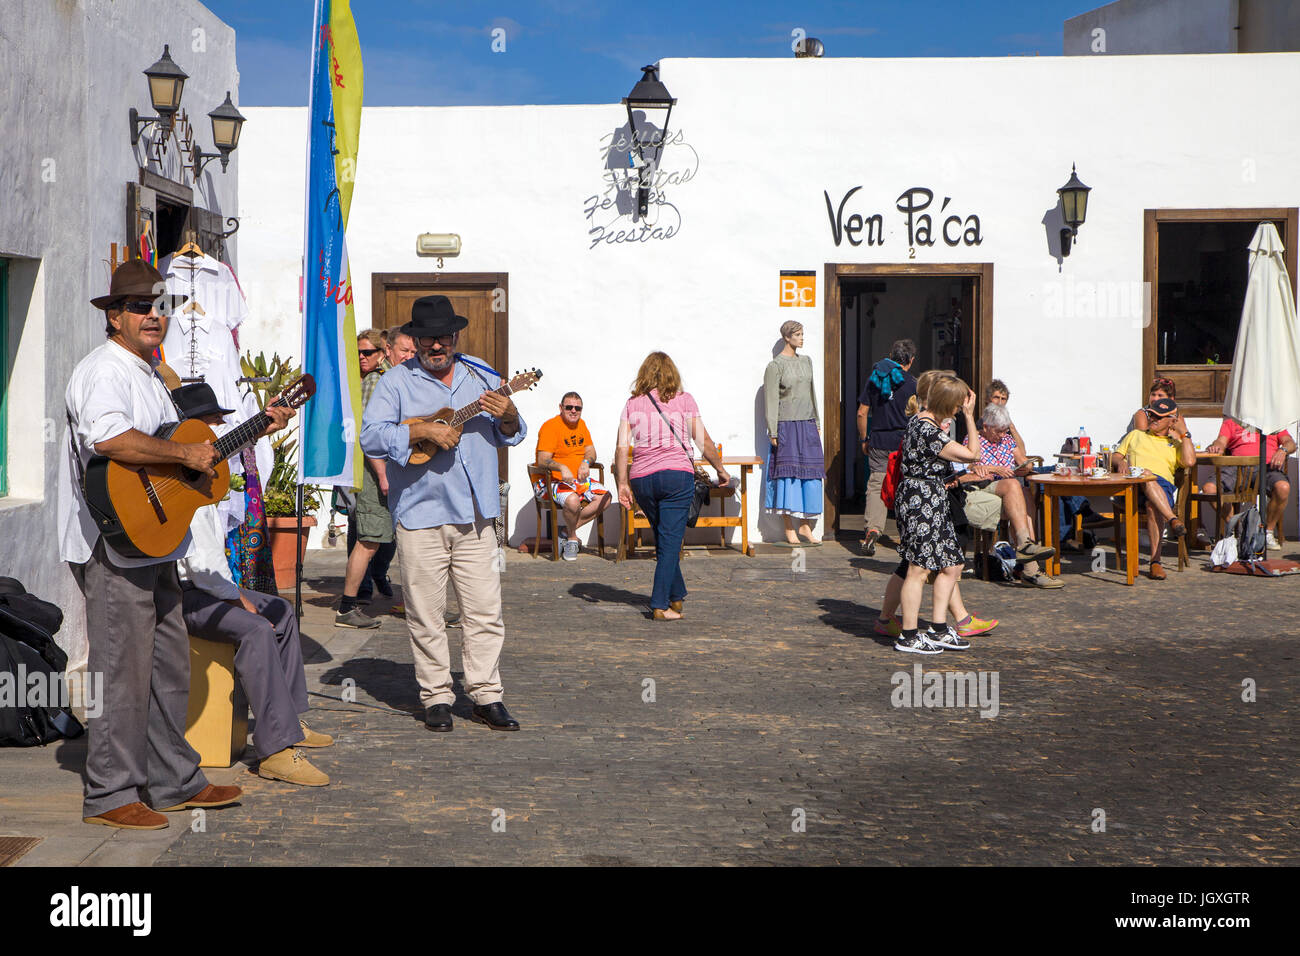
191 476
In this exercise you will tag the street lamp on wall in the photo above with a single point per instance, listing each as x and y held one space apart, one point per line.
1074 202
651 98
227 122
166 84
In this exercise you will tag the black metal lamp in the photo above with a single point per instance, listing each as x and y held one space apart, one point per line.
1074 201
166 84
227 123
651 97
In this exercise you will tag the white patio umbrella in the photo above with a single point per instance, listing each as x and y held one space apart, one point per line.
1264 385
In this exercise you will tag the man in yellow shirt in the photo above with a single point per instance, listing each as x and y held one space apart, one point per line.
1158 451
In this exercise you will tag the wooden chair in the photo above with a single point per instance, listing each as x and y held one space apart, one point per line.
1246 492
1117 525
548 506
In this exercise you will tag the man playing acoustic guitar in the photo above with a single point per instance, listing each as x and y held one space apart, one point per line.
444 508
137 753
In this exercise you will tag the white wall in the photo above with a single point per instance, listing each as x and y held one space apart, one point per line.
998 136
69 72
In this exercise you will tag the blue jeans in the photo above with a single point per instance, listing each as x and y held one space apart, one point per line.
1066 510
665 497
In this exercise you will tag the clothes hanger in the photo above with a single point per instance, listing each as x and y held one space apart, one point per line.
191 247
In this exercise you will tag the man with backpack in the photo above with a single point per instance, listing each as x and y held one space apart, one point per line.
882 419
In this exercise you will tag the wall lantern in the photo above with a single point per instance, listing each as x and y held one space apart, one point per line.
166 83
1074 200
650 97
809 47
226 125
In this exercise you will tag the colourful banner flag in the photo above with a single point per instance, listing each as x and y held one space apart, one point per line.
331 421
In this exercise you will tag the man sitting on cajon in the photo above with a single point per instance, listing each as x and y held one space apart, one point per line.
268 655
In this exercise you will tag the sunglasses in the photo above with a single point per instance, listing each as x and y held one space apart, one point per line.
427 343
139 306
572 408
368 352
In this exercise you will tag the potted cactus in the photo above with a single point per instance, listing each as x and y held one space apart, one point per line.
280 488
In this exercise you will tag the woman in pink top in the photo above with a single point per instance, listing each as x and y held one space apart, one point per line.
659 421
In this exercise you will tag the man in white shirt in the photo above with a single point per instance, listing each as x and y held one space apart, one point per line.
136 750
268 659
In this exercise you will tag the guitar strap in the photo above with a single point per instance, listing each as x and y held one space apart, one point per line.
475 366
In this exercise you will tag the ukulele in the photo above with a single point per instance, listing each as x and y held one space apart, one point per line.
423 451
144 511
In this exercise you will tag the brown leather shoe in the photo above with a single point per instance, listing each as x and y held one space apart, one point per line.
210 796
1157 572
133 816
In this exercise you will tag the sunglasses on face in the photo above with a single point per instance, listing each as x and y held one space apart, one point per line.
445 340
367 352
139 306
572 408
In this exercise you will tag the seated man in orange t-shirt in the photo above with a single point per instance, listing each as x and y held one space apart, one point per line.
565 444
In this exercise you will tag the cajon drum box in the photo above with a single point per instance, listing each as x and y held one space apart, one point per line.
216 723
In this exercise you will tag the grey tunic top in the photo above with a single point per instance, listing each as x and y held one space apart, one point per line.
788 385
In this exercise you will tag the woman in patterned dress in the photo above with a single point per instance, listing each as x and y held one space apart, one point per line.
927 539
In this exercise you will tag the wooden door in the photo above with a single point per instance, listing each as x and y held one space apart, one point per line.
481 297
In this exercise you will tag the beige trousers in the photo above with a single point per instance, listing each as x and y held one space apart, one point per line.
468 553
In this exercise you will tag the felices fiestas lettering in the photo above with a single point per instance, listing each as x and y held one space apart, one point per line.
913 203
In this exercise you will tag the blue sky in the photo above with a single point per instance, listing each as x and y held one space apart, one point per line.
434 53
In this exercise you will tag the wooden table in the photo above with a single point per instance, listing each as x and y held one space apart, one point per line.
1062 486
634 521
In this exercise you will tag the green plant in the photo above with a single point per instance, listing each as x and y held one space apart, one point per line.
279 489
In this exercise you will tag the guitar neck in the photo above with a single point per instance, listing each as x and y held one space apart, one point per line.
473 408
244 434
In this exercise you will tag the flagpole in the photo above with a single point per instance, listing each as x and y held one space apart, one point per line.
297 572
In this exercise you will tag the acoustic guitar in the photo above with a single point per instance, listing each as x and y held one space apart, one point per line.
425 450
144 511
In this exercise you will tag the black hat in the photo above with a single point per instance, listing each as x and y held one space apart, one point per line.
1163 406
136 279
197 400
432 316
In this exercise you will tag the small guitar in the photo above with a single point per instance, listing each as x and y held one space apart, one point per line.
145 510
426 449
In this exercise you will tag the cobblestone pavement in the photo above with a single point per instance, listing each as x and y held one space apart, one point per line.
772 706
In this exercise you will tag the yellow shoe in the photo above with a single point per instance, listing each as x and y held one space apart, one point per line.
311 738
292 767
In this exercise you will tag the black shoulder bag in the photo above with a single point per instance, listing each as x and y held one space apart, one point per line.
702 483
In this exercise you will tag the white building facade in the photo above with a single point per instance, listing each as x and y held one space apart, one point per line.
813 166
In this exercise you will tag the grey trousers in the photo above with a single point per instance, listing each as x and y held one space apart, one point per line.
875 513
268 660
136 749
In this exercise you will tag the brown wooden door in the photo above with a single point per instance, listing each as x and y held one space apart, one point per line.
481 297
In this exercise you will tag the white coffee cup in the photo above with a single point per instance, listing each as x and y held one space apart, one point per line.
1135 472
1099 472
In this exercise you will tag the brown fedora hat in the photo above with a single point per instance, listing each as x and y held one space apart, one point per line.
136 279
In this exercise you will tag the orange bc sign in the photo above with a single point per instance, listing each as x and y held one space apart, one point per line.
798 289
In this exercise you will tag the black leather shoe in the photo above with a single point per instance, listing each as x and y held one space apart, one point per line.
495 716
438 718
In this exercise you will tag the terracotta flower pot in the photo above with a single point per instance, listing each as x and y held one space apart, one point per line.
284 532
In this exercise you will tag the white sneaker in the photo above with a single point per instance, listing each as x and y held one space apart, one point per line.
569 550
1272 542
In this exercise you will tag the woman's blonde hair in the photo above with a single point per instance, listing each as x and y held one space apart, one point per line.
947 395
925 382
658 372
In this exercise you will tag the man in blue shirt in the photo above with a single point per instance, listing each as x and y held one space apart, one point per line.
444 508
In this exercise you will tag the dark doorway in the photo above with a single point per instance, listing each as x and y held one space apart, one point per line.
946 310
